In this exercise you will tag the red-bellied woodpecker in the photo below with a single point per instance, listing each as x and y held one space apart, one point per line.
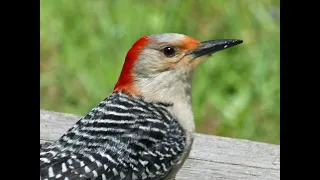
144 129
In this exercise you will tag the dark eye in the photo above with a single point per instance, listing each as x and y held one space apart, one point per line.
169 51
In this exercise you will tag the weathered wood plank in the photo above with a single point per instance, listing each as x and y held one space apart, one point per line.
212 157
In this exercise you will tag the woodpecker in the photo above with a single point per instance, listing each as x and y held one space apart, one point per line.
144 128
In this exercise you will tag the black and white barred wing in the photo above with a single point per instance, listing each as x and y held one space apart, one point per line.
121 138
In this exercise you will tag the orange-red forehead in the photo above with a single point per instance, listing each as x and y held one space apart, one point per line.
189 43
182 41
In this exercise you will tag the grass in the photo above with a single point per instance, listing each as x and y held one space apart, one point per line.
236 92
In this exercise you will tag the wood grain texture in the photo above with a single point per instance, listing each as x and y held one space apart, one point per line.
212 157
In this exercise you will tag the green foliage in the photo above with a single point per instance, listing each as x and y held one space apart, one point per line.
236 92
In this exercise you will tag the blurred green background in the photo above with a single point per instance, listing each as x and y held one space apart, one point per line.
236 93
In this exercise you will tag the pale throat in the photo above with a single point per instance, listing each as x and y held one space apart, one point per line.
170 87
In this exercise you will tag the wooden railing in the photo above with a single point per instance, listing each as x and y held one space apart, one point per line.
211 158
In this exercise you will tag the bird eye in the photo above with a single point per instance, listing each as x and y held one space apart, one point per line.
169 51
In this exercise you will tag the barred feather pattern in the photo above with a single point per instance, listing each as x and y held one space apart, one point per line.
123 137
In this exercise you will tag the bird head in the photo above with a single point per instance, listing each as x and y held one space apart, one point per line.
159 66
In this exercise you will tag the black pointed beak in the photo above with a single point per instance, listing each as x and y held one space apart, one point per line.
212 46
